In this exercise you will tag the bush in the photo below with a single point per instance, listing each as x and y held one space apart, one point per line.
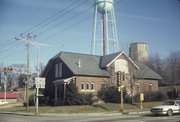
44 101
73 97
172 94
86 99
110 94
151 96
31 101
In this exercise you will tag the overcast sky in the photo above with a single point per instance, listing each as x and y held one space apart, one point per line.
156 22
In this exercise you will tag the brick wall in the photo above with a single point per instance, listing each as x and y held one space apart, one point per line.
91 80
145 86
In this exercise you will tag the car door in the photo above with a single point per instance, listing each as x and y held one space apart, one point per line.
178 105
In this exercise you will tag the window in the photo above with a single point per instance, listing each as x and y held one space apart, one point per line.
103 86
92 86
58 70
87 86
82 86
138 88
150 87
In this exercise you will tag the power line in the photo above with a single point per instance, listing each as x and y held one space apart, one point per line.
7 48
66 20
13 53
75 24
66 7
51 18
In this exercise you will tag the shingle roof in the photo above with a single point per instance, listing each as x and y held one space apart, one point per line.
92 65
89 64
145 72
107 59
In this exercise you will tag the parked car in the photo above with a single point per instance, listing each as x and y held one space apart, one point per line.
3 102
169 108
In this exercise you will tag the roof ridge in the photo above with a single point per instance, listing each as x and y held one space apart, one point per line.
79 53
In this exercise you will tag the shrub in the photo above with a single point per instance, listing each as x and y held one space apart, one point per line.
110 94
86 99
31 100
172 94
44 101
151 96
73 97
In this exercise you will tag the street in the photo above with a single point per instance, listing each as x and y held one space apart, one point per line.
96 117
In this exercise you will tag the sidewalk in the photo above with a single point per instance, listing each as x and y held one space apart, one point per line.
10 105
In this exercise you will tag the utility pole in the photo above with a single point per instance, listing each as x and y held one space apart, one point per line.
27 40
37 45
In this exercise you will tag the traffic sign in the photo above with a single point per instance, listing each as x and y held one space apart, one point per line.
40 82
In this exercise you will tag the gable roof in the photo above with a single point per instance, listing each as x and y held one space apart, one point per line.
83 64
108 59
145 72
93 65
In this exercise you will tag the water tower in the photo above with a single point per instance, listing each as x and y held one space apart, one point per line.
104 29
139 52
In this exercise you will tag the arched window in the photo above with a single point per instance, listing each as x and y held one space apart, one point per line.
87 86
92 86
138 88
151 87
82 86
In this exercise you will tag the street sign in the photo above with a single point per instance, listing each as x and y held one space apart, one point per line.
40 95
40 82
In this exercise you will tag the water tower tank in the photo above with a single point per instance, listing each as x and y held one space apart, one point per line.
104 5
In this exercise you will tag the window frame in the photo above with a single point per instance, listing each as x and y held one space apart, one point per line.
93 84
87 84
104 85
56 70
138 87
83 84
151 87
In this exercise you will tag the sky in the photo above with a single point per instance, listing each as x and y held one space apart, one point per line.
66 25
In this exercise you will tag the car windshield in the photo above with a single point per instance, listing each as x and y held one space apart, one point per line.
169 103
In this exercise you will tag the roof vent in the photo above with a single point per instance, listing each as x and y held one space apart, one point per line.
79 62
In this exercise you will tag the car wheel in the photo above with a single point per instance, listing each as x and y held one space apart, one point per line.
169 112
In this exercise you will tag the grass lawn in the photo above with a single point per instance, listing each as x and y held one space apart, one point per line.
103 107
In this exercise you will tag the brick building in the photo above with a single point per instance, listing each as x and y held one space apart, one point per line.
90 73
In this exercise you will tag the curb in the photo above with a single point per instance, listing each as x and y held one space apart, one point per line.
73 114
136 112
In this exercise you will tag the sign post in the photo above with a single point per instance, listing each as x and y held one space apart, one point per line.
120 89
5 70
40 83
141 99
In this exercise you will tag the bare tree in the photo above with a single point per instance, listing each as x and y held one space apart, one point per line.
173 67
158 64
